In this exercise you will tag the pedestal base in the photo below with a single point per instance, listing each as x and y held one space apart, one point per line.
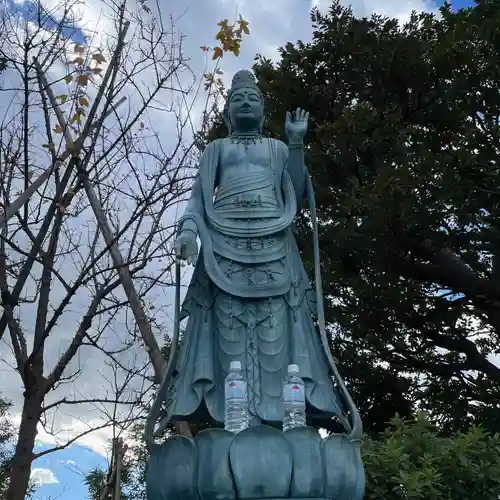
260 463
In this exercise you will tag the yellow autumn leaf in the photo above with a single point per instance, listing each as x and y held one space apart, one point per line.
79 49
68 79
58 129
244 25
83 80
78 60
77 117
83 101
225 33
63 98
217 53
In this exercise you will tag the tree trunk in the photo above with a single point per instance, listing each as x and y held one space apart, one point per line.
21 463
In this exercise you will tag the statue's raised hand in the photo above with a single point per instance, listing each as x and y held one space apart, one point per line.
186 246
296 124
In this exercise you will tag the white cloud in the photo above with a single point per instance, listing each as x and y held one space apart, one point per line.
391 8
495 359
67 462
41 476
67 427
97 441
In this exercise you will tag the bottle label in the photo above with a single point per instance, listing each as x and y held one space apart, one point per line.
294 393
236 389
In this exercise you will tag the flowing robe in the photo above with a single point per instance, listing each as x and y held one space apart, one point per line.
249 298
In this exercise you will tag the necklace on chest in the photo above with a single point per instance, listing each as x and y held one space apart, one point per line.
245 139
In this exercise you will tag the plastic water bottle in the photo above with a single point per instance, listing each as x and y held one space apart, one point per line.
294 400
236 418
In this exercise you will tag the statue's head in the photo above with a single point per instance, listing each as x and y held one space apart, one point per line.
244 110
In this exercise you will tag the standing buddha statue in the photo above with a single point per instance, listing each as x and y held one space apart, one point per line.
249 298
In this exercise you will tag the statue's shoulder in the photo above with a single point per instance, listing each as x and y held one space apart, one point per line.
219 143
212 150
215 144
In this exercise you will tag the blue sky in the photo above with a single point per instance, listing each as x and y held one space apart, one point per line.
31 11
458 4
61 472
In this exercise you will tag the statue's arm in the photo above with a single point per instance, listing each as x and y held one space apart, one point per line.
195 206
297 169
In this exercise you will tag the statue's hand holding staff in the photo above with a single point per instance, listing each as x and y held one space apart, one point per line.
186 246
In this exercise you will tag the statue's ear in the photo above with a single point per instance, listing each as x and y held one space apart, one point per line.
227 120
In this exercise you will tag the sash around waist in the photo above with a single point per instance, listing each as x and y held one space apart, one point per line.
250 250
246 213
244 183
248 198
255 227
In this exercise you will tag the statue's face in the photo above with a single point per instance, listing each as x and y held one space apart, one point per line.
245 109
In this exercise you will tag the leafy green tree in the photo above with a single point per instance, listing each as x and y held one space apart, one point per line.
403 150
95 481
97 478
6 444
413 460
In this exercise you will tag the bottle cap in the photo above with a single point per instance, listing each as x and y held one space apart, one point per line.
293 368
235 365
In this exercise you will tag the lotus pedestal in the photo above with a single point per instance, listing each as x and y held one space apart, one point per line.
259 463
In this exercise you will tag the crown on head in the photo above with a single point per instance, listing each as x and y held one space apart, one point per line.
243 78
